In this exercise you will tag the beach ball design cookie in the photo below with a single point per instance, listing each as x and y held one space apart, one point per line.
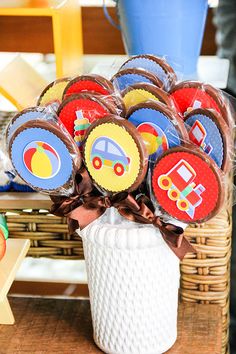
139 93
23 117
189 95
93 82
115 155
43 156
127 77
78 111
52 94
187 185
208 130
159 127
157 66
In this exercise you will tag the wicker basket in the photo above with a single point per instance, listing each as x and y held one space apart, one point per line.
205 276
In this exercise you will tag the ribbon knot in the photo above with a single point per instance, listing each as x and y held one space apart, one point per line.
86 205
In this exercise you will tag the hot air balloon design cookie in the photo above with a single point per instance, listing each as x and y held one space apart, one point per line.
23 117
187 185
189 95
78 111
139 93
44 156
52 94
157 66
159 127
127 77
208 130
115 155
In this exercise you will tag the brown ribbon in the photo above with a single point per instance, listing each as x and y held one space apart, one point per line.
85 205
139 211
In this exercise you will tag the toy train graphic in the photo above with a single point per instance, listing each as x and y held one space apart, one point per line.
197 135
181 188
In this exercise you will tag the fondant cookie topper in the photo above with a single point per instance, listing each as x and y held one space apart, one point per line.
89 83
78 111
115 155
187 185
125 78
94 84
52 94
208 130
159 127
190 95
45 157
157 66
139 93
22 117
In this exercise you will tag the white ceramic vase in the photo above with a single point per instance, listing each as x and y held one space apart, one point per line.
133 280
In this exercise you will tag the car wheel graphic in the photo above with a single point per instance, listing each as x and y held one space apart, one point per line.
97 163
119 169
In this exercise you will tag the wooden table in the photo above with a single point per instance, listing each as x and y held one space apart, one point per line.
64 326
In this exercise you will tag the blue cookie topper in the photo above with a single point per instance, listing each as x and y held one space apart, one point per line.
158 131
48 144
126 80
204 132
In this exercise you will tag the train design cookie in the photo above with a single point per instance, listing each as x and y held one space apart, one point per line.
160 128
114 155
187 185
157 66
44 156
78 111
208 130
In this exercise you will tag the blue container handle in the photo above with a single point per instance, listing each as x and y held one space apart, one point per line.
108 16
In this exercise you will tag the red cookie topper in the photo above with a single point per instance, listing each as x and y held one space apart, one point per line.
78 111
190 95
187 184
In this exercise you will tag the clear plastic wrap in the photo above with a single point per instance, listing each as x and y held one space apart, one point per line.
45 156
125 127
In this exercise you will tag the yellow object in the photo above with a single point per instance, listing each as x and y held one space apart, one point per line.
106 176
136 96
20 83
54 93
41 165
67 30
15 253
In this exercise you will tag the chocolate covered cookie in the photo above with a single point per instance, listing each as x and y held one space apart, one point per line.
157 66
160 127
187 184
45 156
78 111
127 77
52 94
115 155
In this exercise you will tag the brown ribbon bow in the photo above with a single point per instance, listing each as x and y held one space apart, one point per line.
85 205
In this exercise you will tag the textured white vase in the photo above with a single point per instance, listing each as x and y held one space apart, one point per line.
133 280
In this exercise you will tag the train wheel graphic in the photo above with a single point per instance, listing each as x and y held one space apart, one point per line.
97 163
119 169
173 194
183 204
164 182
